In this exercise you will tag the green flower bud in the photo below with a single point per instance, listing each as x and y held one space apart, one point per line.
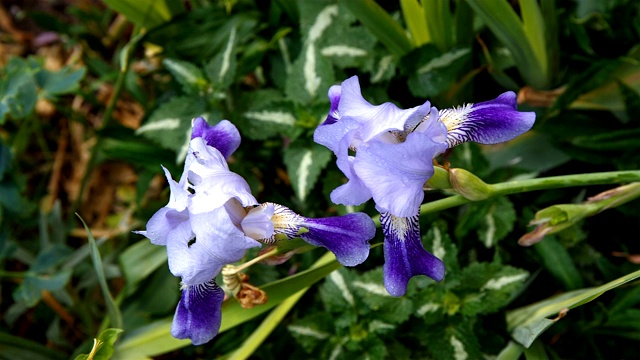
469 185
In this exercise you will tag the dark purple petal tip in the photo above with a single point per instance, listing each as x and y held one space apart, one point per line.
405 255
488 122
199 313
346 236
223 136
334 98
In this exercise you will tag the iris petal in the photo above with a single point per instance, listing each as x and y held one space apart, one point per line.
395 174
346 236
199 313
405 255
223 136
488 122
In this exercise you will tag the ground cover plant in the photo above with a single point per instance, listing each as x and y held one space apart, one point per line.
350 179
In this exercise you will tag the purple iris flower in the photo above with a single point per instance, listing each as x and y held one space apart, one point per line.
212 219
387 154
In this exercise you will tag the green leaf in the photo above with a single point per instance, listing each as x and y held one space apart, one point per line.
139 260
18 91
170 124
259 335
15 347
414 17
511 352
222 67
146 13
488 287
112 308
380 24
454 341
557 260
60 82
311 74
534 29
268 114
509 29
439 73
156 339
5 158
531 152
312 331
380 305
437 241
102 346
187 74
440 22
30 289
304 163
527 323
48 258
497 222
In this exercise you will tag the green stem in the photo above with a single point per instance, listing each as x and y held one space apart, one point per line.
520 186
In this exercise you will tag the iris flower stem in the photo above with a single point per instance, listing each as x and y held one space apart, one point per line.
520 186
255 260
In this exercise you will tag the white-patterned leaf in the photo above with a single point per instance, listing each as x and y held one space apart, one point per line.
304 164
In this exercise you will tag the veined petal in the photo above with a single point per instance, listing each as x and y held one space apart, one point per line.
171 221
223 136
212 181
373 119
346 236
404 254
396 173
257 224
217 242
199 313
354 191
488 122
168 225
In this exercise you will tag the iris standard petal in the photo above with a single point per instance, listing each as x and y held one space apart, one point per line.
224 136
395 174
373 119
199 313
212 181
488 122
257 224
346 236
404 254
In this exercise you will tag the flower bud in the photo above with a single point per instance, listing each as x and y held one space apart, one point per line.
469 185
439 180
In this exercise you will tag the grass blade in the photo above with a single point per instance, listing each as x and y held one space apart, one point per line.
112 308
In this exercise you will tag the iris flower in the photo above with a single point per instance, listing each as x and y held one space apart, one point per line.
212 219
387 154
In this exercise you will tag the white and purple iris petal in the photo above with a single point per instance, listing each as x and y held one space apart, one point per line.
488 122
223 136
199 314
346 236
404 254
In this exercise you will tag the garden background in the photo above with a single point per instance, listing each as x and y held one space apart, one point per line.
96 95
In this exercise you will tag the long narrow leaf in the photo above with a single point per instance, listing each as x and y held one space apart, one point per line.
251 344
508 28
146 13
412 13
112 308
437 14
534 29
381 25
527 323
156 339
